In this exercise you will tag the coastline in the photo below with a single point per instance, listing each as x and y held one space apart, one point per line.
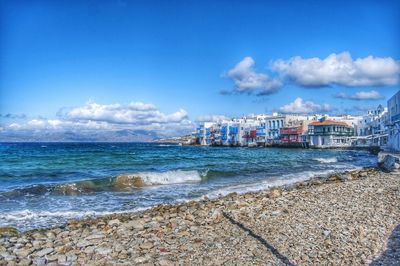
340 219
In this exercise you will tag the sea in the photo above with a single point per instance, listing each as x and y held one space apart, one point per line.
47 184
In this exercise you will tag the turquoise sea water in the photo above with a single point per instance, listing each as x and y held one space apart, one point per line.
46 184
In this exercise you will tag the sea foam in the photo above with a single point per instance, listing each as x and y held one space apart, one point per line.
157 178
326 160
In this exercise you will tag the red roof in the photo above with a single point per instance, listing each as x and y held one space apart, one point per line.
328 123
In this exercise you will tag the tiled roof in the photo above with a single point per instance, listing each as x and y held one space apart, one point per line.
328 123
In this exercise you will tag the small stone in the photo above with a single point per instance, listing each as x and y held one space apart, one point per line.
39 261
165 262
83 243
61 259
114 222
139 260
22 253
95 236
275 193
326 233
146 245
51 258
25 262
103 251
8 231
44 252
138 226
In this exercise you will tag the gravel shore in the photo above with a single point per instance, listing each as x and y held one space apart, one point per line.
347 219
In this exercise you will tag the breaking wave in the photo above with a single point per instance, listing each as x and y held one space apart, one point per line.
326 160
119 183
154 178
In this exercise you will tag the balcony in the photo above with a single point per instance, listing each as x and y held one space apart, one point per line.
291 131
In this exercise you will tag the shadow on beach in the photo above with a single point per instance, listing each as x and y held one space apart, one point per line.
391 256
264 242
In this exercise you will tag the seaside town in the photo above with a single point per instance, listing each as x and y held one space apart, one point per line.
377 128
222 133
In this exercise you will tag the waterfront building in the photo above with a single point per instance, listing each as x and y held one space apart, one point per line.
291 135
247 131
394 122
203 134
273 125
329 133
371 129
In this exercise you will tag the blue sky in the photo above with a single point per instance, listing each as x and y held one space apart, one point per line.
179 55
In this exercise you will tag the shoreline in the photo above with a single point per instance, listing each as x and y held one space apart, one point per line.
313 180
153 235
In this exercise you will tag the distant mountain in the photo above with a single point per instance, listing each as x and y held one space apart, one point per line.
126 135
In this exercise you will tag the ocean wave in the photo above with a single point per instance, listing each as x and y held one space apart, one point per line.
326 160
274 182
118 183
168 145
37 219
157 178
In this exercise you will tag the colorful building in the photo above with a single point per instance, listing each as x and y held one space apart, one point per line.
330 133
394 122
291 135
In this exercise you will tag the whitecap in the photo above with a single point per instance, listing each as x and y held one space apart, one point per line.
326 160
157 178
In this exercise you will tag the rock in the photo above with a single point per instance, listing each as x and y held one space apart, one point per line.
8 231
127 181
23 252
61 259
44 252
140 260
146 245
71 258
113 223
388 161
326 233
165 262
103 251
83 244
51 258
25 262
274 193
138 225
363 174
7 256
38 261
95 236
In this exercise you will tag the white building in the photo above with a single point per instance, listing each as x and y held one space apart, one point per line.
371 129
394 122
329 133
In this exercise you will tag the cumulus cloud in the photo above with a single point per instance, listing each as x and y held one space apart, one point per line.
211 118
249 81
339 69
133 113
298 106
361 95
93 117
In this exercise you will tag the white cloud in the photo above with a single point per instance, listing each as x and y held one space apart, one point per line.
361 95
298 106
93 117
339 69
133 113
211 118
248 81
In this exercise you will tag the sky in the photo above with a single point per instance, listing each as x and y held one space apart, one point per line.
163 66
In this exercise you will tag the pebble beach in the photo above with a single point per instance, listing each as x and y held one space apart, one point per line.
345 219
